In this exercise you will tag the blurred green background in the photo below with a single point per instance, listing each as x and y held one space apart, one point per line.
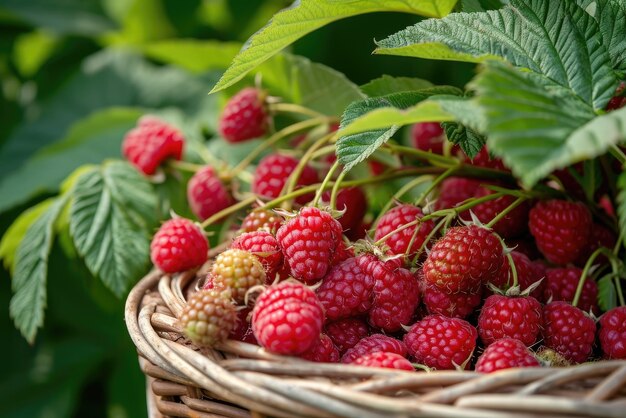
75 75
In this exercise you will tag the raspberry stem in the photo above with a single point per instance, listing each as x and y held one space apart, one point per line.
443 221
184 165
435 159
229 210
506 211
509 258
284 133
403 190
320 190
293 108
583 276
618 154
335 191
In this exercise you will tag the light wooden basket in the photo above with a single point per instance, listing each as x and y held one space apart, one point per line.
242 380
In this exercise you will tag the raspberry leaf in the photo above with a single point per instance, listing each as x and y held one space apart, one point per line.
31 270
305 16
111 218
470 141
621 203
607 296
387 85
564 130
611 18
521 33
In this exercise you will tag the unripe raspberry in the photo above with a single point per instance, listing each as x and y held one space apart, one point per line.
238 271
264 246
209 317
261 219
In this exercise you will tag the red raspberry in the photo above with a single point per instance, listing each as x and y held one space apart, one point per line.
206 193
385 360
455 190
618 101
308 242
261 219
346 333
428 136
561 229
352 201
457 305
244 116
287 318
322 351
243 330
526 246
373 344
568 331
342 253
440 342
514 224
510 317
484 159
178 245
528 273
209 317
346 291
612 333
376 167
152 142
414 236
506 353
600 236
265 247
464 259
561 284
238 271
396 293
272 173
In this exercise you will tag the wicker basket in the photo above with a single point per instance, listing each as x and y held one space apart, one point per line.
242 380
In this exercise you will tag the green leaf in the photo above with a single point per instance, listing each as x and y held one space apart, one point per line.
522 33
110 217
141 21
31 269
192 54
372 130
305 16
611 18
80 17
89 140
469 140
621 203
387 84
533 126
33 49
607 296
15 233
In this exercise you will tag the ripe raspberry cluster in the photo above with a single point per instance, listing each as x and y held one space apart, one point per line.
480 279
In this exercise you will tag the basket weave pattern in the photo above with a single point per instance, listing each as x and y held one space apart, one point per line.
242 380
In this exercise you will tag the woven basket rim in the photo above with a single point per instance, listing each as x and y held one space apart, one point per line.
237 377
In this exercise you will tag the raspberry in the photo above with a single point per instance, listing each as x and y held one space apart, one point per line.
178 245
346 333
464 259
373 344
209 317
568 331
150 143
505 354
376 167
265 247
322 351
261 219
440 342
428 136
600 236
352 201
455 190
561 229
456 305
612 333
385 360
206 193
526 246
618 101
342 253
238 271
484 159
244 116
272 173
514 224
400 241
346 291
561 284
528 273
510 317
287 318
308 242
242 331
396 293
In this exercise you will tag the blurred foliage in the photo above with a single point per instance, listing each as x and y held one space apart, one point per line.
75 75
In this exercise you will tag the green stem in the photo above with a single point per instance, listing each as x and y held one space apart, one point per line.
424 155
335 192
429 237
505 212
509 258
184 166
293 108
329 175
229 210
398 229
435 183
619 154
404 189
292 182
288 131
585 272
458 209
